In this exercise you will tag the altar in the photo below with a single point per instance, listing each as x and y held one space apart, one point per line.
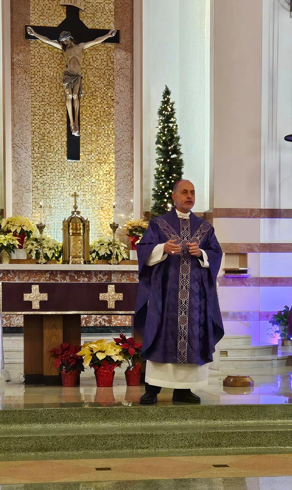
54 300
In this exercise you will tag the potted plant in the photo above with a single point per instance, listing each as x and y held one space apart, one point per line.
131 351
68 362
104 249
8 244
52 249
19 226
103 357
135 229
280 326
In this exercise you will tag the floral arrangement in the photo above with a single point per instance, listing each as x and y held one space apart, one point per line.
131 350
280 324
103 249
67 359
18 225
8 243
101 353
52 249
136 227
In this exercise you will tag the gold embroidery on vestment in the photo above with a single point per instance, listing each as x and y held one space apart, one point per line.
184 277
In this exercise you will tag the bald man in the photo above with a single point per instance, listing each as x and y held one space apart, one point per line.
177 311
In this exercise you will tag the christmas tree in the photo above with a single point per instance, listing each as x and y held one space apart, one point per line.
169 156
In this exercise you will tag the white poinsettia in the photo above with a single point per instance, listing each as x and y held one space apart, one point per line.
136 227
52 249
103 249
8 243
19 225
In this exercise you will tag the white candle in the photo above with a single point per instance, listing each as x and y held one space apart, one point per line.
41 212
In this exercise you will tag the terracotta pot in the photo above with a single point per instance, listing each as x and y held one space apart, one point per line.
104 377
5 257
69 379
133 375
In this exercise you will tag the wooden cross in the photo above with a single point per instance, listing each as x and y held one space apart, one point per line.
82 34
35 297
111 297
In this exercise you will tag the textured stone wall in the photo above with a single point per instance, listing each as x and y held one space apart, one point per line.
41 171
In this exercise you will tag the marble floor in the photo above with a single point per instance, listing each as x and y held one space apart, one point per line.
272 388
257 472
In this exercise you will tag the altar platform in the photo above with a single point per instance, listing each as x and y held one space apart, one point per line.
89 422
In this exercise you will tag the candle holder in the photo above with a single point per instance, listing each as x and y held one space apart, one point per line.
41 227
114 226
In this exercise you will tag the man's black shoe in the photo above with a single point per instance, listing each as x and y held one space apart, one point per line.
148 398
185 396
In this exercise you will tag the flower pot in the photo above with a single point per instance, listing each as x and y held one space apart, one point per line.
20 239
133 375
285 343
69 379
19 254
5 257
133 255
104 376
134 240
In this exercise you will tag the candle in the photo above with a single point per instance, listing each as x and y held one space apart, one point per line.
114 205
41 212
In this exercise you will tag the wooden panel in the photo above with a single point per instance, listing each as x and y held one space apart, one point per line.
72 329
33 344
53 337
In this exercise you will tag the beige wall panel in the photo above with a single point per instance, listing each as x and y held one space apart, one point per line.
239 299
123 60
21 110
237 230
237 103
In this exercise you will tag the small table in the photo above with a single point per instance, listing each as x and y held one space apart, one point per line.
52 315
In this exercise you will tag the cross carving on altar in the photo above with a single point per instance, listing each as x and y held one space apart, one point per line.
35 297
81 34
111 297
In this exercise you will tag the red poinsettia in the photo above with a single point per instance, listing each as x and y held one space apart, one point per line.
67 359
130 348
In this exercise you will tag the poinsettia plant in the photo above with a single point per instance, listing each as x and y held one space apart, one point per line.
101 353
131 349
67 359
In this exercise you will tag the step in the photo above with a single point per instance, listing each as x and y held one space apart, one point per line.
246 363
249 351
232 340
163 429
13 354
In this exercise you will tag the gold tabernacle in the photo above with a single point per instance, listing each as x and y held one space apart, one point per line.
76 237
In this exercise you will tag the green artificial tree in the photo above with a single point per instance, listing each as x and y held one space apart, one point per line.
169 156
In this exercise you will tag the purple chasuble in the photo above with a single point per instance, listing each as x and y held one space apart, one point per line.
177 310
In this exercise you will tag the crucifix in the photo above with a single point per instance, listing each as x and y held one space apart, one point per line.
72 37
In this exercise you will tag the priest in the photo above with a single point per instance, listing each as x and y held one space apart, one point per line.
177 311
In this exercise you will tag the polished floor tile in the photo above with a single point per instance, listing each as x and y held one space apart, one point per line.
268 389
146 469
